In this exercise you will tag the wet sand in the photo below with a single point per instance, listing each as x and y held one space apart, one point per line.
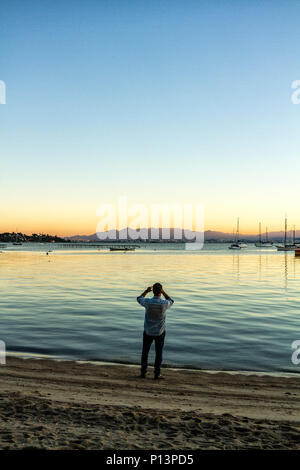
47 404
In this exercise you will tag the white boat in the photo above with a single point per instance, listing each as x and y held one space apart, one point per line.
263 243
237 244
242 244
288 246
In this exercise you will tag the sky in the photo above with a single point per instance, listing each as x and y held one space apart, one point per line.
174 102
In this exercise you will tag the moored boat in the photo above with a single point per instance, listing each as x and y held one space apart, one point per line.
288 246
120 248
285 248
242 244
263 243
237 244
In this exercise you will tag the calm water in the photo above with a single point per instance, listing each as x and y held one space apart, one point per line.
233 310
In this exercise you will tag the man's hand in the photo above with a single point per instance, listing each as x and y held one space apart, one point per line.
149 289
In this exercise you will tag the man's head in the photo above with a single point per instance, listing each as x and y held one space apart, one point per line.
157 289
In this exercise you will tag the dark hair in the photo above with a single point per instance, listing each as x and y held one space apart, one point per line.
157 288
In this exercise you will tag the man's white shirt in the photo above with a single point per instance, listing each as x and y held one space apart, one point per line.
155 314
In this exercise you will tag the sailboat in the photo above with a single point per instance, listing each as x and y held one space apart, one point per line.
267 242
294 238
234 245
263 243
237 244
287 246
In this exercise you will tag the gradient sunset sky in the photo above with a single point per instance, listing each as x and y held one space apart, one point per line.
162 101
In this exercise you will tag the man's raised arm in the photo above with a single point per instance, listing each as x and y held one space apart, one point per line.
140 298
167 297
149 289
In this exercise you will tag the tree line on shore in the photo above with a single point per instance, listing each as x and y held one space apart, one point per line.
10 237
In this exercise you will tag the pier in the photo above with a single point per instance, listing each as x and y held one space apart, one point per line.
99 246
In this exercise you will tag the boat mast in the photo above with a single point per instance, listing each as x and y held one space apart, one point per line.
259 232
285 231
267 238
294 236
238 229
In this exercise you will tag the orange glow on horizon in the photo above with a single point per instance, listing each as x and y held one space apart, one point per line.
89 229
80 218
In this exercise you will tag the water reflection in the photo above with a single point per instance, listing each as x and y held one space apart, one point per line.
82 305
236 267
266 265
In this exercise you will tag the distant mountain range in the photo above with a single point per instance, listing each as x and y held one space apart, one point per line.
209 235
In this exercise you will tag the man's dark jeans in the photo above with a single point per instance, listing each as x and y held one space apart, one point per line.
159 344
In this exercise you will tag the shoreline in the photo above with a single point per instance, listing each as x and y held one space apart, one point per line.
59 404
36 356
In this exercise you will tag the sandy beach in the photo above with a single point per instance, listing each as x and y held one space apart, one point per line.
46 404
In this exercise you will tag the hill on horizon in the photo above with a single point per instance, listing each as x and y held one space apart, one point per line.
208 235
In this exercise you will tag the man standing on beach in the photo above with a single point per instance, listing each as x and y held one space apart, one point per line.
154 326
